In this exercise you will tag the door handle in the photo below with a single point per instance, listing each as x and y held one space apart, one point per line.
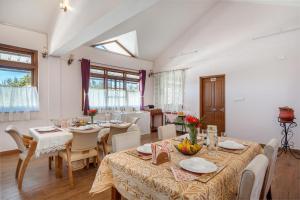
213 109
222 109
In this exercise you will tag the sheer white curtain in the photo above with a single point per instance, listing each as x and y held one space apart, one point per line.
113 99
97 98
134 99
16 103
168 90
116 99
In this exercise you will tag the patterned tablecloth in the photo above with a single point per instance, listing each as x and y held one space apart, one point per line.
135 178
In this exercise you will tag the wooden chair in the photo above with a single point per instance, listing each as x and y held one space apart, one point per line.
166 132
270 150
252 178
125 141
107 139
82 146
26 146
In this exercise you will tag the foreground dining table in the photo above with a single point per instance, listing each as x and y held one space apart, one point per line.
135 178
49 143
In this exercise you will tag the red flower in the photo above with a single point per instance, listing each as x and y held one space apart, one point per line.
92 112
191 119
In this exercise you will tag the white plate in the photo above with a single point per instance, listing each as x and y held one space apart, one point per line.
146 149
46 129
228 144
198 165
82 128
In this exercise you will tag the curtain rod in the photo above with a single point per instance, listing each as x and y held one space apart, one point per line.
153 73
183 69
114 66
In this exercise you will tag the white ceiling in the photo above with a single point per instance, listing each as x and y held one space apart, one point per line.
156 27
271 2
36 15
160 25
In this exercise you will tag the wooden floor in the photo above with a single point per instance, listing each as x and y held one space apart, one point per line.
40 183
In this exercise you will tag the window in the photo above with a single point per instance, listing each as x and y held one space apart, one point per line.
114 46
113 89
168 90
18 80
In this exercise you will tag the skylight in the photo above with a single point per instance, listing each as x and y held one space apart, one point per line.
114 46
125 44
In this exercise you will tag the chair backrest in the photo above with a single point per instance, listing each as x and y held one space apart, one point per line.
84 140
117 129
166 132
133 127
270 150
17 136
126 141
170 117
134 120
252 178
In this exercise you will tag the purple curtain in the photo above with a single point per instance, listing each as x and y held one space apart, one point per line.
142 74
85 74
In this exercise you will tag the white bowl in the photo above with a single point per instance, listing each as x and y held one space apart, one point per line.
198 165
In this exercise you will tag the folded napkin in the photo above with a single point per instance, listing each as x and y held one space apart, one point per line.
181 175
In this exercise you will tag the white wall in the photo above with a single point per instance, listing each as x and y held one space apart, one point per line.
59 84
265 72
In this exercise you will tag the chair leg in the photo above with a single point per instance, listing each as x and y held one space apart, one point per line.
22 172
95 161
50 162
18 167
269 194
70 173
87 163
58 166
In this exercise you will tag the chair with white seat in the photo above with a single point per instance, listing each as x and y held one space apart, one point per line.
166 132
271 151
134 120
113 130
125 141
26 146
82 146
252 178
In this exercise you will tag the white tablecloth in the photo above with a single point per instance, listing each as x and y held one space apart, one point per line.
50 142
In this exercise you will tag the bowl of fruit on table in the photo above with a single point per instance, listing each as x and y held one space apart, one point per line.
187 148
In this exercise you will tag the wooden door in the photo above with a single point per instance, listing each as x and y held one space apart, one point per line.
212 101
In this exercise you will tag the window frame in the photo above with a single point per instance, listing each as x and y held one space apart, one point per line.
33 67
105 76
118 43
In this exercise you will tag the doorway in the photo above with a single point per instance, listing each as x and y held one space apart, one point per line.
212 101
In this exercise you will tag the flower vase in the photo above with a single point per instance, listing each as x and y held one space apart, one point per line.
92 119
193 135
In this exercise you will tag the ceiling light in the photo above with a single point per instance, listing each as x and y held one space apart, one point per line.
64 5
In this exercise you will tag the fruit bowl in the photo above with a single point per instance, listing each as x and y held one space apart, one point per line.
187 148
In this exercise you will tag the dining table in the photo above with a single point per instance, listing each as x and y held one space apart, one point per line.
52 139
137 178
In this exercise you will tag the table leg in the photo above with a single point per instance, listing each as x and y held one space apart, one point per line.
115 195
58 166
